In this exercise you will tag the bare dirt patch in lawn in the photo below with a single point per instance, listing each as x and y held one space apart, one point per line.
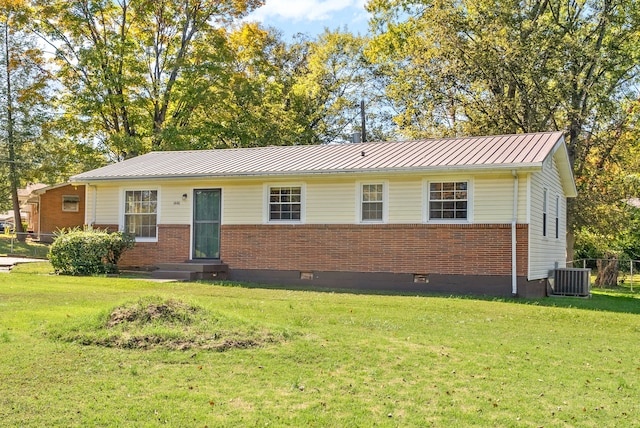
154 323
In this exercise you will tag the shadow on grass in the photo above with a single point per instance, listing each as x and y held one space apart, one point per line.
608 300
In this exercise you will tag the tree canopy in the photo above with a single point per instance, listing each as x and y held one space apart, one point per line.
110 79
508 66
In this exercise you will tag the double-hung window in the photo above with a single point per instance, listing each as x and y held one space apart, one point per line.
285 203
372 203
544 212
449 200
141 213
557 217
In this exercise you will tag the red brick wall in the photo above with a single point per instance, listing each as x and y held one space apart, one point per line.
478 249
172 247
52 217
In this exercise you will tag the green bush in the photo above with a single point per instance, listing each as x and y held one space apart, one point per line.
88 252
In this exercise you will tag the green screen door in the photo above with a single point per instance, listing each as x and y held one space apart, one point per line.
206 224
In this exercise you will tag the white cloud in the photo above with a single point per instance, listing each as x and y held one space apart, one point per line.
308 10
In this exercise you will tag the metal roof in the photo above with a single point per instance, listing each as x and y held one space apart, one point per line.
488 152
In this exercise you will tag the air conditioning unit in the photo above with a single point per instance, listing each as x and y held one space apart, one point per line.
572 282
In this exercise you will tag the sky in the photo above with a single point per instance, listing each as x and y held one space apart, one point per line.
312 16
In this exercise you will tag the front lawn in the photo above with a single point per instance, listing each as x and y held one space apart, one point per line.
325 359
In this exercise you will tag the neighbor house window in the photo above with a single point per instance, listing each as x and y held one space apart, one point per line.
544 212
448 200
372 202
141 213
285 203
557 217
71 203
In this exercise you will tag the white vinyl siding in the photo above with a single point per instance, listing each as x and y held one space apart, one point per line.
107 205
174 208
330 202
242 203
405 201
493 199
546 252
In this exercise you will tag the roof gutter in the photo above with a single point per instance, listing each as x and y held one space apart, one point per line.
529 167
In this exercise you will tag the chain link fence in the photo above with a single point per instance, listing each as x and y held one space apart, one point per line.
25 244
611 272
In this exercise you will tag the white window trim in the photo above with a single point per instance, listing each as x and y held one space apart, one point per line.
385 201
426 184
266 190
123 192
77 204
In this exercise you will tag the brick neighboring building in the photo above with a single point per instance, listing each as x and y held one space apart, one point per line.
56 207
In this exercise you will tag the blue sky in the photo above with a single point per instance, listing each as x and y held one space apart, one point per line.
312 16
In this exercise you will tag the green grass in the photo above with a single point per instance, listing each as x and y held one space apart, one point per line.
27 249
344 360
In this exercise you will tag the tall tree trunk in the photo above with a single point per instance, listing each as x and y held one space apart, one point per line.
11 142
608 270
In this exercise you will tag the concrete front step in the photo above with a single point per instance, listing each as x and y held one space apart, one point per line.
191 270
183 275
192 266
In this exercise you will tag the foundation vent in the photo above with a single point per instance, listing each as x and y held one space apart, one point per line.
572 282
306 275
421 278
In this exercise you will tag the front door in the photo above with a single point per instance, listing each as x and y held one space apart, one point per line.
206 224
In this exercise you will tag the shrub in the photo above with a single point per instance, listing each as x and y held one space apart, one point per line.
88 252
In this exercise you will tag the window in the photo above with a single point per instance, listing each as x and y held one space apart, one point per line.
544 212
71 203
141 213
372 201
448 200
285 203
557 217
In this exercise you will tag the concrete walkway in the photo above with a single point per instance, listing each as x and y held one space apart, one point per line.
6 263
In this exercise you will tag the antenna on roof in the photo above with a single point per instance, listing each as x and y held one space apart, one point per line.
364 129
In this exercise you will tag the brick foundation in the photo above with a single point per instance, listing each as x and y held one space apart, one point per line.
471 259
483 249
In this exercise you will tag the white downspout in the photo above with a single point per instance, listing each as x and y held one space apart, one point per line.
514 253
39 216
93 204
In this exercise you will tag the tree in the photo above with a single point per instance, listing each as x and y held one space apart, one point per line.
507 66
335 79
131 67
23 93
